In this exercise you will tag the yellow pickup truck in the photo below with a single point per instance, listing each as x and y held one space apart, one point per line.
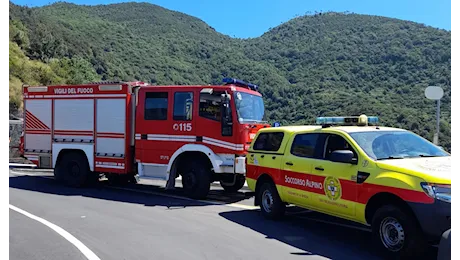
388 178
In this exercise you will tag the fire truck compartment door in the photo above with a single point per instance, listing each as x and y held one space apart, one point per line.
37 126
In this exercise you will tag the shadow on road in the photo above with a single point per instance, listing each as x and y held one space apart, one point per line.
310 237
214 194
102 191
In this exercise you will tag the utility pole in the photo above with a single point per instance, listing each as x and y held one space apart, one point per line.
435 93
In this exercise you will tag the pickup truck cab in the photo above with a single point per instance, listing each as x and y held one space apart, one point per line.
388 178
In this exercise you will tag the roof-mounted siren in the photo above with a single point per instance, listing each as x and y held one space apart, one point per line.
361 120
240 83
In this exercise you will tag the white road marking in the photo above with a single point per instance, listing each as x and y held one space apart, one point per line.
83 249
242 206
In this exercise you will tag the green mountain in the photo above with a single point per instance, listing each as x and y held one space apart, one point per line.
318 65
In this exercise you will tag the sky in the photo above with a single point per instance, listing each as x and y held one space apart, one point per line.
252 18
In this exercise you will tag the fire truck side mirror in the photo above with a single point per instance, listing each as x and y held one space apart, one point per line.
225 97
226 116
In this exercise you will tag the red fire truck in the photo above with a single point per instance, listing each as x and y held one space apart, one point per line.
131 130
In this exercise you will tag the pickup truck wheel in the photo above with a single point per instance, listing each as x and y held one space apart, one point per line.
271 205
196 179
396 233
239 183
73 170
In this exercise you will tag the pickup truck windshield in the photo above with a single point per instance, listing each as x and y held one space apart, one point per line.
250 108
382 145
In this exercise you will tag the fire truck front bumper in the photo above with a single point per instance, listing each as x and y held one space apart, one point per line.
229 163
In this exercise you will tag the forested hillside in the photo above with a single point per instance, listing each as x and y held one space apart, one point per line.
318 65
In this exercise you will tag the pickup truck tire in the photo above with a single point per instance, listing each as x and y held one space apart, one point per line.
73 170
271 205
396 233
239 183
196 179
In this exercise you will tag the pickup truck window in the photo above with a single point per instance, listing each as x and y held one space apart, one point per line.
336 142
269 141
304 145
381 145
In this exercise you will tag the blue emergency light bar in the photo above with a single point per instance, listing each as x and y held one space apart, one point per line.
346 120
240 83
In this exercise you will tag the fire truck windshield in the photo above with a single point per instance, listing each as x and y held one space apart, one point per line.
250 108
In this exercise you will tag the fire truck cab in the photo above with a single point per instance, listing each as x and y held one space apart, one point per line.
125 130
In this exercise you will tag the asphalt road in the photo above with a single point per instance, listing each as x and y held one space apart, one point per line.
144 222
31 240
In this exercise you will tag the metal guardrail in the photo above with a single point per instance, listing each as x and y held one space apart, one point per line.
21 166
16 121
16 128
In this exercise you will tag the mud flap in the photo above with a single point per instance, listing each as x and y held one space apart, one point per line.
171 182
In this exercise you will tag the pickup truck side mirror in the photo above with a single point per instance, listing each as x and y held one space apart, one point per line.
343 156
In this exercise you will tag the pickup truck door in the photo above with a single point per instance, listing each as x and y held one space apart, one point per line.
266 157
339 190
299 185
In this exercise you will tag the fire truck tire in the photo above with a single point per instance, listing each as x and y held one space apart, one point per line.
396 233
196 179
239 183
73 169
271 205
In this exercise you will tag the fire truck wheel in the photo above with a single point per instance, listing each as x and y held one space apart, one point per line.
271 205
239 183
73 169
396 233
196 179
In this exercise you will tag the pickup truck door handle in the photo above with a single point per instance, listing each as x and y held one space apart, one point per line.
289 163
319 168
262 156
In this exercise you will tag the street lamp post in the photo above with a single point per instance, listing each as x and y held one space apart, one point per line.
435 93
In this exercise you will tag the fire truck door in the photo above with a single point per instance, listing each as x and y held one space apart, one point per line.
152 129
182 121
166 126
